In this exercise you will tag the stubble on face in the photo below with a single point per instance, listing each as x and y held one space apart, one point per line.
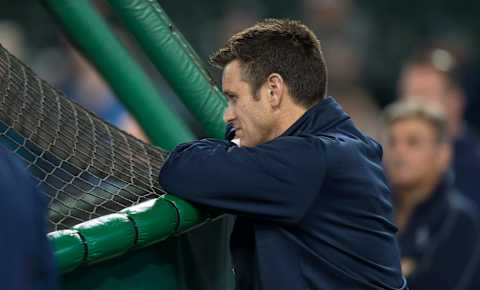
249 114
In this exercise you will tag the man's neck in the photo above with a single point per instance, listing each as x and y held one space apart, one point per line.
287 118
408 199
456 129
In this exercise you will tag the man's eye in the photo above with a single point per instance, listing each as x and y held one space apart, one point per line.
413 142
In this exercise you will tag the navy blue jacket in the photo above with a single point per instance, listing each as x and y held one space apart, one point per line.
26 261
466 164
442 241
314 210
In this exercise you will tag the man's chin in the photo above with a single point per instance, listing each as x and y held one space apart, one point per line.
404 185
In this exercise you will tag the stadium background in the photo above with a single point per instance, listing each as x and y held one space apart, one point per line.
369 38
365 44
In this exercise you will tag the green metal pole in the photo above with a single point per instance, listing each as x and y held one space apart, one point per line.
175 59
182 68
126 78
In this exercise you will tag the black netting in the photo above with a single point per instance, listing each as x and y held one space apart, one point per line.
86 167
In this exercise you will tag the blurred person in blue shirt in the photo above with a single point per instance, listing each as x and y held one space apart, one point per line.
26 261
438 226
432 77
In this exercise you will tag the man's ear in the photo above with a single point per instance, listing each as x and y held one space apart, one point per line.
275 89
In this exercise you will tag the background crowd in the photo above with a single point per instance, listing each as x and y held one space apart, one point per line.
406 72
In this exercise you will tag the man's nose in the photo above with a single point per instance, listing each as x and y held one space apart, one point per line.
398 149
228 115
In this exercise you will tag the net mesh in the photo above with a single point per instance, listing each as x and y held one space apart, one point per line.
86 167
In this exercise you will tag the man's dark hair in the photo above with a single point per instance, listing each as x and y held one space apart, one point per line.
286 47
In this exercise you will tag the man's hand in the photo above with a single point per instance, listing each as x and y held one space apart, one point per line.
230 134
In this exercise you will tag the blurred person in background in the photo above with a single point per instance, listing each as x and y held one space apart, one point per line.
86 87
438 226
12 38
363 110
431 77
346 86
26 260
345 37
80 82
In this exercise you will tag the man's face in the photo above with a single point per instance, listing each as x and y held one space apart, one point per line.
413 156
250 115
423 84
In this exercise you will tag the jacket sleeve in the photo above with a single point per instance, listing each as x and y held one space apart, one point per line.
27 261
277 180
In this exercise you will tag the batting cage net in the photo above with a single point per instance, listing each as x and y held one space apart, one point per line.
86 167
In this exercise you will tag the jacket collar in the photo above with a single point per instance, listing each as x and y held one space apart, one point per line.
318 118
430 210
427 219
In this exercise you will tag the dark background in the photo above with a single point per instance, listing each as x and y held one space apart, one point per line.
365 42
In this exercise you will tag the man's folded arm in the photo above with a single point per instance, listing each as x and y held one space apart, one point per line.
277 180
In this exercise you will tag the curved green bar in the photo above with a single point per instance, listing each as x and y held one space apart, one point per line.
175 59
155 220
144 224
188 215
114 234
69 249
126 78
107 236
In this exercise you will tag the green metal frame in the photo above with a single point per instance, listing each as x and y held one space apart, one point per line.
147 223
129 82
175 59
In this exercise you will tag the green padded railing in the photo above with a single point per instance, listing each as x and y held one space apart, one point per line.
147 223
115 234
